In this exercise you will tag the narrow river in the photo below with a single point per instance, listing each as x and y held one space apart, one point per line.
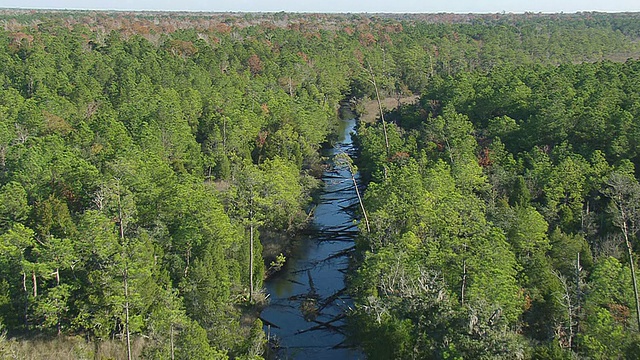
307 297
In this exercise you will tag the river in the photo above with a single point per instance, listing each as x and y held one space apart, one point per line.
307 297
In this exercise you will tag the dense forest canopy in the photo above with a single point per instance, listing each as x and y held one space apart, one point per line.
506 217
142 153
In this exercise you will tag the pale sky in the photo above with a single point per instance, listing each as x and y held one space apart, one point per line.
370 6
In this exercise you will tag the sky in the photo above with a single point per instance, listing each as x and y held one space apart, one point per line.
333 6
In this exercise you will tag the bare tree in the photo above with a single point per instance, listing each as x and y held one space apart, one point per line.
624 192
125 272
384 123
343 159
569 298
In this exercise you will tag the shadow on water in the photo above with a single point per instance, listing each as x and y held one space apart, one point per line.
308 301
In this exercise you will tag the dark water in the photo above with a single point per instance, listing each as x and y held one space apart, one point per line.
308 292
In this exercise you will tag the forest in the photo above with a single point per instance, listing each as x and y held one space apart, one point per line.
149 162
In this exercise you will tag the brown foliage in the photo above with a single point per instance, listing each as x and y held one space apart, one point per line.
255 64
386 39
400 157
262 139
484 159
19 39
182 48
265 109
528 302
56 124
619 312
367 39
303 56
349 30
221 28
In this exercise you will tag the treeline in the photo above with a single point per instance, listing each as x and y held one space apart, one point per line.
505 218
142 157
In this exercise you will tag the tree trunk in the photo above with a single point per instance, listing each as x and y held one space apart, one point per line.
3 157
224 135
172 347
384 124
126 313
35 283
125 279
464 281
58 325
625 232
635 282
290 87
251 262
364 212
565 332
578 293
26 298
251 246
187 259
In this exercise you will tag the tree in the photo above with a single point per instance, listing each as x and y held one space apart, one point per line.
384 123
343 159
100 252
624 193
56 255
166 319
14 245
269 195
246 199
604 330
193 344
281 194
14 207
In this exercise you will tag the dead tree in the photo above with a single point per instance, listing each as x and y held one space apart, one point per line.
624 192
384 123
344 159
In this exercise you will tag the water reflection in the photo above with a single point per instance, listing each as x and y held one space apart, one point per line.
307 298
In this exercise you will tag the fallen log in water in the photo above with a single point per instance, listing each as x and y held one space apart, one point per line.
268 323
344 252
331 299
312 287
324 325
311 212
295 281
346 237
328 234
332 175
304 297
338 191
349 199
341 345
351 207
337 229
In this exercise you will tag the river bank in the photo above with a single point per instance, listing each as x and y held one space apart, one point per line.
369 110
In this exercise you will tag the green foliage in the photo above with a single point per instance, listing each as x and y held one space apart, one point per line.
499 197
281 194
278 263
427 237
193 344
608 307
132 152
14 207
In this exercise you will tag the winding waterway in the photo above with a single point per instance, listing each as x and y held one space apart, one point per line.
307 298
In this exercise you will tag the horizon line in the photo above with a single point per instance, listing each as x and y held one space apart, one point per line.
311 12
